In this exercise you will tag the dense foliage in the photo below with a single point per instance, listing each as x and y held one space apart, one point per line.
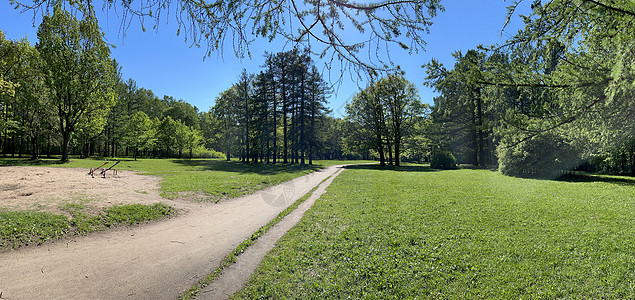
276 114
442 159
383 115
556 97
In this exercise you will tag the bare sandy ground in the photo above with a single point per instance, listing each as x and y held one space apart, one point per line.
46 189
155 261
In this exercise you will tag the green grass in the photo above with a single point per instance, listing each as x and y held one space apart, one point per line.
215 178
24 228
419 233
20 228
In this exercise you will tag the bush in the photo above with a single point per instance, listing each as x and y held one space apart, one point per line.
543 156
202 152
442 159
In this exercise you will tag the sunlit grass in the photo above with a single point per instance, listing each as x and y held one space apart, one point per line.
381 234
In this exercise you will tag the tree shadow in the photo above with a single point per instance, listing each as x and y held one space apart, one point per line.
53 161
6 162
407 168
244 168
621 180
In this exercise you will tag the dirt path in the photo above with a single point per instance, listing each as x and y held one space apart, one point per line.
237 275
156 261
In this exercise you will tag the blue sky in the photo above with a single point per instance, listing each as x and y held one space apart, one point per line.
164 62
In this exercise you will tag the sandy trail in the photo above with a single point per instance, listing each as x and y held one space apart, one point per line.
155 261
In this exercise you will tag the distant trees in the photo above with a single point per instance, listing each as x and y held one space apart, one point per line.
287 98
65 96
140 133
383 114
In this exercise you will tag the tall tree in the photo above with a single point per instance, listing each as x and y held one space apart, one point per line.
401 101
77 69
460 113
366 110
226 110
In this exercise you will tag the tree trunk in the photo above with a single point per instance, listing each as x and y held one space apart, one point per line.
284 123
66 139
389 152
481 152
380 149
397 145
34 147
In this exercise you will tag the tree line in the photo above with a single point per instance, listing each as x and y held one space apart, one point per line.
65 95
274 115
555 97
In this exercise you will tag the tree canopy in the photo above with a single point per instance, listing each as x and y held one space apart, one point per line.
324 26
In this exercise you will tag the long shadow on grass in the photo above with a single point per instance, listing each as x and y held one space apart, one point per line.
239 167
392 168
597 178
12 161
43 162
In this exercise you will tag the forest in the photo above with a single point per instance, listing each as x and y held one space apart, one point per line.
557 97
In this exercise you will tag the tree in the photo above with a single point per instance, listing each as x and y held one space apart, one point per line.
192 138
168 135
461 114
245 98
368 113
77 69
386 111
401 101
574 61
139 133
181 111
226 111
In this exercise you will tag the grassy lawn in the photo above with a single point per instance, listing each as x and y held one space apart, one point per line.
215 178
416 232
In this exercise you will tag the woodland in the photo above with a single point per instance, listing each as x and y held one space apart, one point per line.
558 96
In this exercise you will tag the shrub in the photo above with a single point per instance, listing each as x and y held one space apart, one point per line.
543 156
442 159
202 152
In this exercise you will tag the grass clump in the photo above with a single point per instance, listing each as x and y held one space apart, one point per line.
389 234
131 214
24 228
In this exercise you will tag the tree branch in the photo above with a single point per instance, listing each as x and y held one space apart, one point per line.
630 13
